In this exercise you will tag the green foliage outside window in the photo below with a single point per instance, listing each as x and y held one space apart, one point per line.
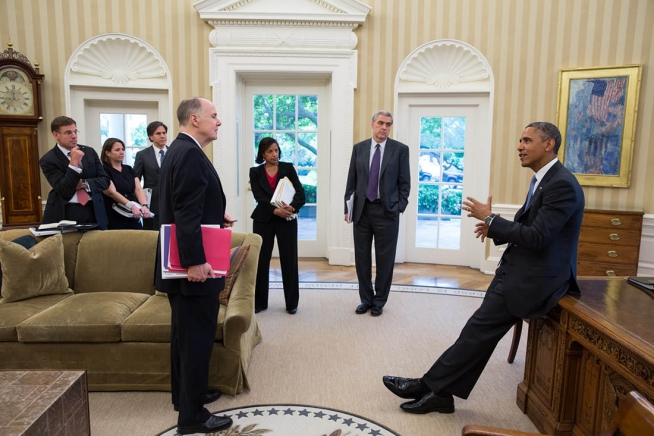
452 201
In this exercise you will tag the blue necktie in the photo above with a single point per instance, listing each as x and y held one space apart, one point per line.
531 190
161 157
373 179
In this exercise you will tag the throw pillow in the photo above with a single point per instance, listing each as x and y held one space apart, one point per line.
237 258
34 272
27 241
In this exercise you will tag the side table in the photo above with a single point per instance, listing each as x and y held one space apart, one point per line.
53 403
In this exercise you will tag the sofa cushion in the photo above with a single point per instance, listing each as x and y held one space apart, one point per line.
25 241
151 322
237 259
130 254
94 317
13 314
34 272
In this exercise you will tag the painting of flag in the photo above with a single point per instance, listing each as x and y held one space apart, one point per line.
597 117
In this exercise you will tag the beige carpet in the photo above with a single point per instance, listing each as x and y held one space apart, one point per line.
328 356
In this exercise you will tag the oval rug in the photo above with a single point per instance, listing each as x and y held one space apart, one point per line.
293 419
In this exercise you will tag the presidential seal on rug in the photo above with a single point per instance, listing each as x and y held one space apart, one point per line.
293 419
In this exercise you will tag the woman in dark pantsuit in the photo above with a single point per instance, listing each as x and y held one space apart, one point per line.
271 221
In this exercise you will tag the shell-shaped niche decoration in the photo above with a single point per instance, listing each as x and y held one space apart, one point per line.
120 59
444 65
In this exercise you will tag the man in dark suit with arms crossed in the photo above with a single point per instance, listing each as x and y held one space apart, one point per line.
77 178
191 194
537 268
379 176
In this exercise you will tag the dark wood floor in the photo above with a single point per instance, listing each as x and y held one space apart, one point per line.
318 270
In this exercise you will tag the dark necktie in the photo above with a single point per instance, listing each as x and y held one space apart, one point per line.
531 190
373 179
161 157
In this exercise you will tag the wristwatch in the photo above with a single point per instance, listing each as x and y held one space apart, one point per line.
489 219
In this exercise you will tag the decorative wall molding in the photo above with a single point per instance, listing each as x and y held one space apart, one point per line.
296 24
116 59
307 12
445 64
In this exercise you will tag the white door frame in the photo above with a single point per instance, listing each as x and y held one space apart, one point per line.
472 107
438 71
230 69
321 88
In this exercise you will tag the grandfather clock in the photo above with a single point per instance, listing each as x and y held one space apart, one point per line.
20 114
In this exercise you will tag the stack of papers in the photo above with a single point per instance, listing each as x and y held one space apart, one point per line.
217 246
124 211
283 194
63 226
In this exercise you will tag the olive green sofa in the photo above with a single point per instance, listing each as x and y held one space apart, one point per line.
114 325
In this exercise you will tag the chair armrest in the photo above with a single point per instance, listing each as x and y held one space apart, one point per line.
482 430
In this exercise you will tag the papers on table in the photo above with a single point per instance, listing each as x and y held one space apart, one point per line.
60 224
63 226
217 244
350 207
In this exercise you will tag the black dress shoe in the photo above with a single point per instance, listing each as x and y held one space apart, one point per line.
430 402
211 396
405 387
259 309
376 310
292 311
362 308
211 425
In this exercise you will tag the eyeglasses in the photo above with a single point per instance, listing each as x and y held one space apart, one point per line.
69 132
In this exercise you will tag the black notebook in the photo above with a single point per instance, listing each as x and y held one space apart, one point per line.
644 283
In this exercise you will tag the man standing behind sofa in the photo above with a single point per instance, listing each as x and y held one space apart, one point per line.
77 178
147 165
190 195
379 176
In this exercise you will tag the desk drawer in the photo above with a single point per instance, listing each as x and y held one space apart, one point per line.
605 269
607 253
613 220
615 236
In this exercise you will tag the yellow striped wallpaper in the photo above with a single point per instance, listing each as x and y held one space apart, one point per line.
525 42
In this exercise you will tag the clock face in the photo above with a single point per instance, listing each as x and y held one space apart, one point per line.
16 94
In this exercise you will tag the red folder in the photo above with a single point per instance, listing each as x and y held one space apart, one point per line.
217 244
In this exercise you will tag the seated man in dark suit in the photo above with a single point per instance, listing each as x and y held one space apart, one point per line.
77 178
537 269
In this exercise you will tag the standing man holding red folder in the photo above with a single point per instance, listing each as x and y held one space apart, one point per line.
190 195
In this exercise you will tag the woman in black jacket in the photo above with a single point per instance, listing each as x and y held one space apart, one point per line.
271 221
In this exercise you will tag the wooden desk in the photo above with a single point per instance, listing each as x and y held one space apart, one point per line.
585 355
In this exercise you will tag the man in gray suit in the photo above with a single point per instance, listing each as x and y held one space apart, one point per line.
147 164
379 177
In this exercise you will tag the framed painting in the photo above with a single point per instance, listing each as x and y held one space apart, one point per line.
596 114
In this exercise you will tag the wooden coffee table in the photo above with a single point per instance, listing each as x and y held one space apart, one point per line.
44 403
